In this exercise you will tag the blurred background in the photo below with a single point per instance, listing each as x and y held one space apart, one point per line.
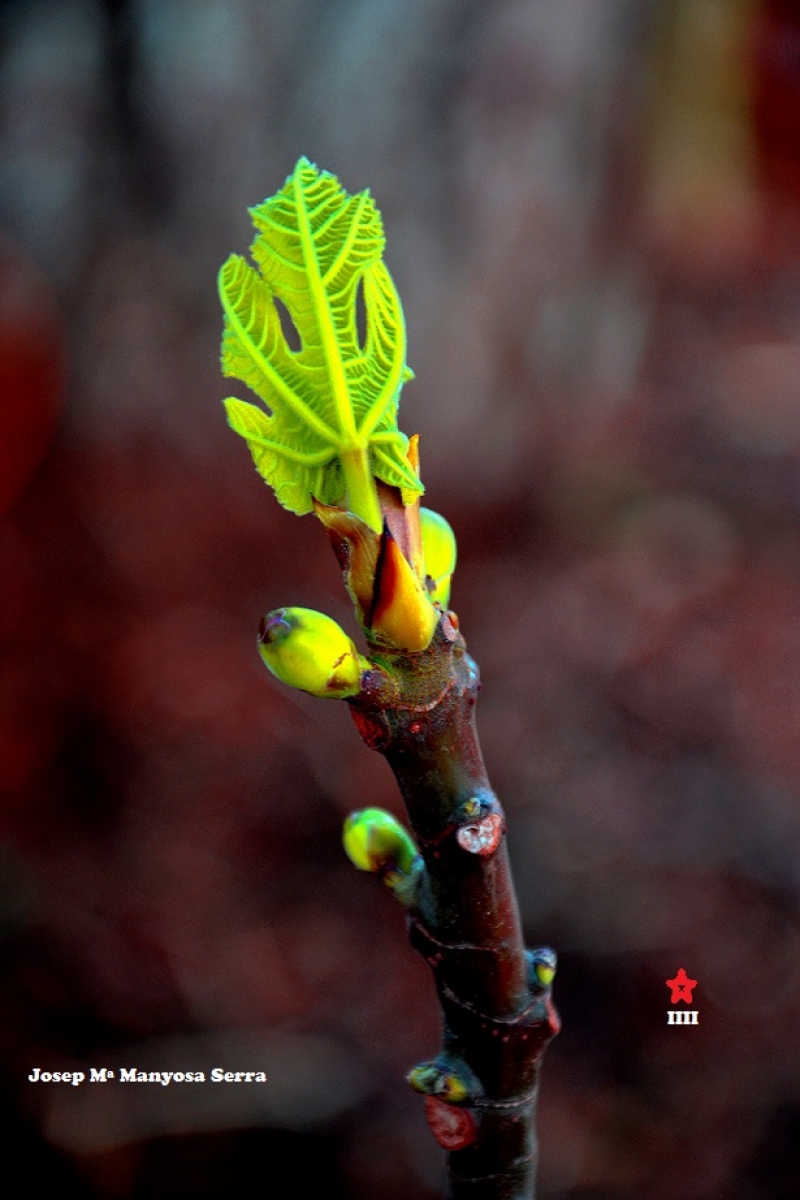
593 218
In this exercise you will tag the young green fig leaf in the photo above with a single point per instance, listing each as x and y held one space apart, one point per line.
439 548
331 423
308 650
375 841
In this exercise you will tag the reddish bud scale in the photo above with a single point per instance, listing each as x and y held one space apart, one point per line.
454 1128
483 837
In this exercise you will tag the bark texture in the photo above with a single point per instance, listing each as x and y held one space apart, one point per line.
418 710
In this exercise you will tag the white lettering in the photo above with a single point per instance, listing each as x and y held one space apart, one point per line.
165 1078
219 1075
37 1075
682 1017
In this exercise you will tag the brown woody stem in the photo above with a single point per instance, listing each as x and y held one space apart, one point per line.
418 710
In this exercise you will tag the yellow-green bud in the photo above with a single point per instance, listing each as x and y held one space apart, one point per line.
439 548
543 963
431 1079
375 841
452 1083
310 651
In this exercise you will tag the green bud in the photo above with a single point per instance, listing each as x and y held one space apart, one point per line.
439 548
431 1080
542 965
425 1078
310 651
451 1080
375 841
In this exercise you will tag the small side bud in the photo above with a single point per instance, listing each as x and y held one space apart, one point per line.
542 965
310 651
450 1089
439 548
375 841
425 1078
449 1083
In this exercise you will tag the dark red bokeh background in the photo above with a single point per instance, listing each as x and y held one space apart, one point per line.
593 217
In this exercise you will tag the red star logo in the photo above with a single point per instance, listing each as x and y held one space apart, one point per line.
681 987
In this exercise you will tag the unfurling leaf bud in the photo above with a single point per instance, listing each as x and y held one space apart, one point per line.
375 841
390 601
402 613
439 548
310 651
